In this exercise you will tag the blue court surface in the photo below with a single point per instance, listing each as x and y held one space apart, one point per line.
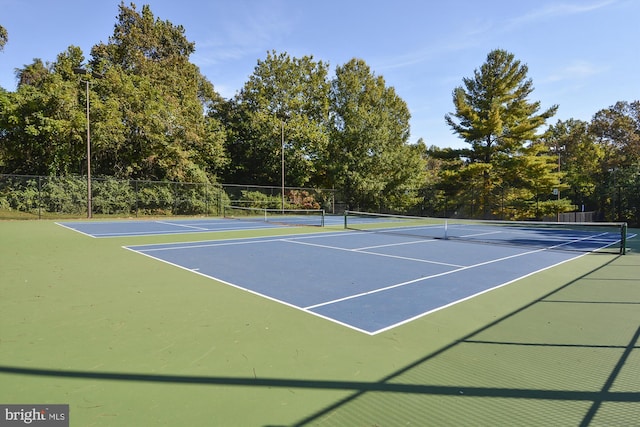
170 226
370 282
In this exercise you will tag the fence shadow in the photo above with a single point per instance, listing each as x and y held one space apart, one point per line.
409 380
396 381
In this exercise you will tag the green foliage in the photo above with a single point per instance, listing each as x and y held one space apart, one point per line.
22 194
154 199
112 196
4 37
368 156
148 111
42 123
39 194
493 115
617 129
283 106
579 157
195 199
294 199
363 148
155 117
547 209
257 199
617 132
68 196
65 195
174 198
153 105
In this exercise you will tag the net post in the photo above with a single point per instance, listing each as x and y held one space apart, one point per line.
322 218
346 212
446 229
623 238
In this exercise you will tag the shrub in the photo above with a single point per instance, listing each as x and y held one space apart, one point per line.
112 196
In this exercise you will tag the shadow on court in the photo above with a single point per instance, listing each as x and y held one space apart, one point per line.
572 365
571 357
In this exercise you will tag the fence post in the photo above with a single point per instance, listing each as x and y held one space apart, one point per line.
221 201
207 195
39 197
135 191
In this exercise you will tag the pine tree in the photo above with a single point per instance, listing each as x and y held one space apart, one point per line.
493 115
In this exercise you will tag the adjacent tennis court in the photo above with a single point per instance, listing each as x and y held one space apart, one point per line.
235 219
102 229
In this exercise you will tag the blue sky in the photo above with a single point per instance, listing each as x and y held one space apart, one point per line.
582 54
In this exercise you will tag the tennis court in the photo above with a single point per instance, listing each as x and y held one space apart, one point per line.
236 219
373 282
369 282
309 326
102 229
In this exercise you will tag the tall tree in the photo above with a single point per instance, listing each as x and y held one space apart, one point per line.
42 121
4 37
493 115
442 182
32 74
368 156
617 130
148 112
579 156
154 103
285 98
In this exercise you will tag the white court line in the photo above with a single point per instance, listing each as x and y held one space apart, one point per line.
251 291
440 274
308 310
171 232
74 229
226 242
336 321
337 248
481 234
395 244
171 246
181 225
484 291
398 285
585 238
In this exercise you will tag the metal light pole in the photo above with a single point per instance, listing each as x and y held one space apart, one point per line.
282 151
558 219
558 148
83 71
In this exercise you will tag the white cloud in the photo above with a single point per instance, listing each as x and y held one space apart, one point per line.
556 10
243 32
576 70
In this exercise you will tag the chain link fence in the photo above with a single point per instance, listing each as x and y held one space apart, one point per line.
31 196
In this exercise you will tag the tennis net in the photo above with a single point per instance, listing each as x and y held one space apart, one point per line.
303 217
568 236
